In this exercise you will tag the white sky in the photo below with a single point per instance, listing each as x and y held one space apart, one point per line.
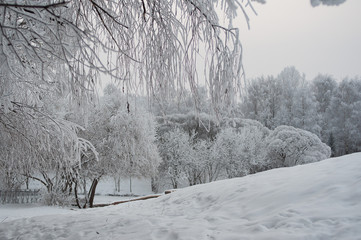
292 33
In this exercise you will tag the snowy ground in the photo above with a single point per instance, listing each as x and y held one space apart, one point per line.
315 201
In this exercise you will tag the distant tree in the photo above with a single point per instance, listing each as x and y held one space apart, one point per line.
285 100
251 137
323 88
227 151
183 102
253 142
343 114
208 156
305 109
288 81
356 116
195 168
202 124
262 100
177 152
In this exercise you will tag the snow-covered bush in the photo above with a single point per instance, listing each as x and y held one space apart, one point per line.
252 136
227 151
239 146
176 150
196 170
288 146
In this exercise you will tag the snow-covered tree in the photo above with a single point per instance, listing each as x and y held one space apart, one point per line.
124 136
251 136
323 88
227 150
262 100
252 147
343 114
195 168
153 43
305 109
288 81
285 100
55 46
202 124
132 140
43 147
205 154
177 152
289 146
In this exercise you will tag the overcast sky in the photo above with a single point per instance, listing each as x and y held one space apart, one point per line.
314 40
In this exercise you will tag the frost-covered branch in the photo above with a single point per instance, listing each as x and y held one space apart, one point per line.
42 6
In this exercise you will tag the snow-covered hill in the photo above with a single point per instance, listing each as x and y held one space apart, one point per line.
316 201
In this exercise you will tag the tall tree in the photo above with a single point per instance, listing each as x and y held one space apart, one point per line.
305 109
262 100
289 80
323 88
124 136
343 114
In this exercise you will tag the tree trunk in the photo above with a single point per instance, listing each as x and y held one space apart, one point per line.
76 195
154 184
174 183
27 183
130 184
84 186
118 182
91 193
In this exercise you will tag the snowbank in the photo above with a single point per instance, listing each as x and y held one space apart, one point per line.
315 201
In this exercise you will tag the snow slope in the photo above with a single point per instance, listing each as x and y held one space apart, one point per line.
315 201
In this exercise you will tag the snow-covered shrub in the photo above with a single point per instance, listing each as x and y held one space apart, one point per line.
176 150
289 146
196 169
57 198
252 136
239 147
227 151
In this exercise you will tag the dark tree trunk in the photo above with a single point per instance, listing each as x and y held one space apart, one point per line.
92 189
76 195
27 183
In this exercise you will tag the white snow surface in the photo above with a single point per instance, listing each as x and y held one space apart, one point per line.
316 201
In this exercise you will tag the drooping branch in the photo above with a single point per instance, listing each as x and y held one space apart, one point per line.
40 6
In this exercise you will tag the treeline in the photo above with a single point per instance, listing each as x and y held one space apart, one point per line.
279 123
295 120
195 149
323 106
